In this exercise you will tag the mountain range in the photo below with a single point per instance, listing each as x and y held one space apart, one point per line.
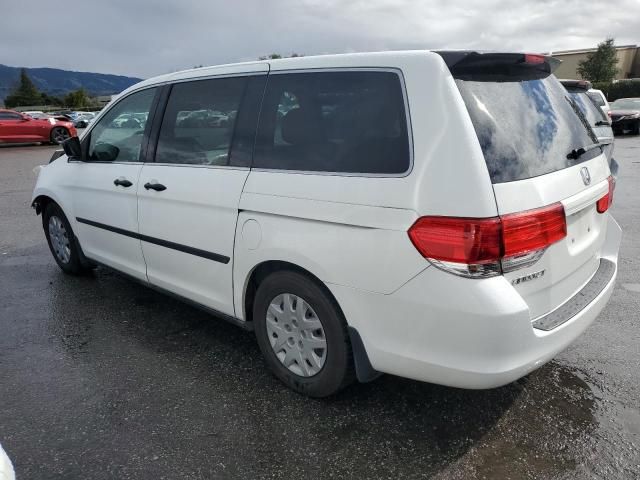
60 82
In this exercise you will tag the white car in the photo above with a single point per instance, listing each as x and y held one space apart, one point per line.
598 97
36 114
6 469
442 216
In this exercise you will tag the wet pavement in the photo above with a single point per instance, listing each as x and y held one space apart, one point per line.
102 378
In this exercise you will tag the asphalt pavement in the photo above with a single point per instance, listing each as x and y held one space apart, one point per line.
102 378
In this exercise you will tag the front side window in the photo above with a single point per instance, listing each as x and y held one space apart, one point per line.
117 137
199 120
343 122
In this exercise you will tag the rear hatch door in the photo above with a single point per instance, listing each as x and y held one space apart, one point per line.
540 149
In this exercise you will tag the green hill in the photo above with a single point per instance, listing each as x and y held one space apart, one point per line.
60 82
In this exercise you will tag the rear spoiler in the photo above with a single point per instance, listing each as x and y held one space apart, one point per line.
498 67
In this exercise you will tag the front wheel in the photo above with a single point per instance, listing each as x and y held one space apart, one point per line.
302 334
59 135
62 242
636 128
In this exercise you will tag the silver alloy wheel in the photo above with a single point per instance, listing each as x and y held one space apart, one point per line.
296 335
59 135
59 239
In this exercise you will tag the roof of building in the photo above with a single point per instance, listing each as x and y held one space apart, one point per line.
588 50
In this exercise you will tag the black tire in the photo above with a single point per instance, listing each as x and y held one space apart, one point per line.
59 135
338 369
636 128
72 265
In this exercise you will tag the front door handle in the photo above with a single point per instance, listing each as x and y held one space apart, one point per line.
158 187
122 182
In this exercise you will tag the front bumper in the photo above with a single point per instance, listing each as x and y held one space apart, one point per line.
466 333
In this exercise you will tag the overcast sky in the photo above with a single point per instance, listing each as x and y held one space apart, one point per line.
149 37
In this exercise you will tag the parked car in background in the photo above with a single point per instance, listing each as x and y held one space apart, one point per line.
128 121
594 115
36 114
82 120
625 115
16 127
598 97
6 469
344 222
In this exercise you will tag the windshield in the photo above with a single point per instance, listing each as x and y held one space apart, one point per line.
626 104
526 128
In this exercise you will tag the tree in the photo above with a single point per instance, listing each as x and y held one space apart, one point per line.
275 56
25 94
600 66
52 100
77 99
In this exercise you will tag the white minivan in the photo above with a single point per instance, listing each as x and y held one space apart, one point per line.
442 216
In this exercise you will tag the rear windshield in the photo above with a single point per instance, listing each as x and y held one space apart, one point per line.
526 128
597 98
593 113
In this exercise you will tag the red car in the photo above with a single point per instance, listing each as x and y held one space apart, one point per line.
16 127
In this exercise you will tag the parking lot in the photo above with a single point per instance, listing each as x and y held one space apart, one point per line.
103 378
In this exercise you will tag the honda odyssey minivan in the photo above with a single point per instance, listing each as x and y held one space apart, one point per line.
437 215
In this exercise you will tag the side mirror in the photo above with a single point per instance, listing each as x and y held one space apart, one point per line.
72 148
105 152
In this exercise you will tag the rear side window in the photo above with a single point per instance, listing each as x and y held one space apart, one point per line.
198 121
343 122
526 128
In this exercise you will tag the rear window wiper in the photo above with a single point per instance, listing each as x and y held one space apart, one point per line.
601 123
576 153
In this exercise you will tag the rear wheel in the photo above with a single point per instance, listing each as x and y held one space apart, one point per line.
636 128
62 242
59 135
302 334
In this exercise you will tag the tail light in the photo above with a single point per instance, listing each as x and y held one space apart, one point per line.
605 202
485 247
534 58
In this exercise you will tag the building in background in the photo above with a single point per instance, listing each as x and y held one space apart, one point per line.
628 61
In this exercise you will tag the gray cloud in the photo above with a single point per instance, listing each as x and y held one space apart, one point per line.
150 37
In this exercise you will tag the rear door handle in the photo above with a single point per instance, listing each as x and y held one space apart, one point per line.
158 187
122 182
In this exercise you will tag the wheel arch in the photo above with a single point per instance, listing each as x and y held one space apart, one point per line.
40 202
261 270
364 370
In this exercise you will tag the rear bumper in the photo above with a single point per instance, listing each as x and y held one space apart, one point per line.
465 333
